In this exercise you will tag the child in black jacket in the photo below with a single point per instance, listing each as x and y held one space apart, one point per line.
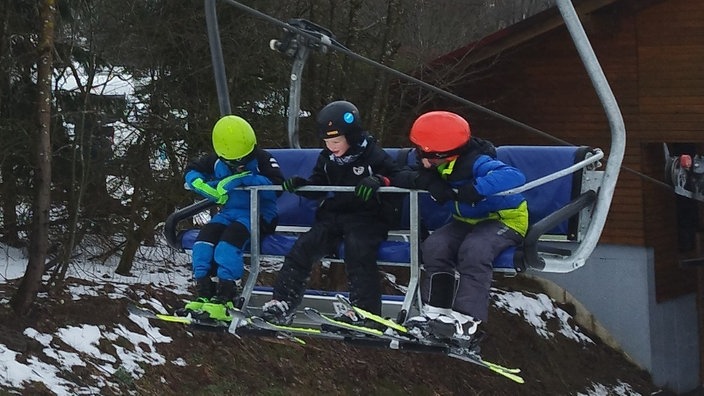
357 219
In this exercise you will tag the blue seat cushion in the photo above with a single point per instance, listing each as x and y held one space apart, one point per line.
389 251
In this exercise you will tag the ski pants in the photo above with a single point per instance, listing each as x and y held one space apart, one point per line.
218 249
360 236
468 250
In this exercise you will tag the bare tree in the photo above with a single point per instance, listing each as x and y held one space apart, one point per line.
39 240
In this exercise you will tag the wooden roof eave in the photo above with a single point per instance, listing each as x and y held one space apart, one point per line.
516 34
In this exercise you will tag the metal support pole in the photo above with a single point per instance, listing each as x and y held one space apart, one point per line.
211 20
618 143
294 96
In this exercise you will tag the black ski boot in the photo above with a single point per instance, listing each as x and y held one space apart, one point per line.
205 289
217 308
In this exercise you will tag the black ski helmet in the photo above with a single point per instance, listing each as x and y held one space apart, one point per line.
339 118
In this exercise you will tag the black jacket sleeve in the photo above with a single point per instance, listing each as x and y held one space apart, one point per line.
318 177
204 165
269 167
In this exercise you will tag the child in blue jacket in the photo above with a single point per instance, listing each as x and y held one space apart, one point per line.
462 172
218 250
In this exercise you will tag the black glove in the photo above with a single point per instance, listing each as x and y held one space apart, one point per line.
468 193
424 178
438 188
441 191
368 186
294 183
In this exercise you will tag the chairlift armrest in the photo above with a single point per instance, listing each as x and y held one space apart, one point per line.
530 244
172 236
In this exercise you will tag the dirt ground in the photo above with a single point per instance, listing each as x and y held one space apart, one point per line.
221 364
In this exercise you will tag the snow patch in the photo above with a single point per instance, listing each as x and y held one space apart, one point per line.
537 310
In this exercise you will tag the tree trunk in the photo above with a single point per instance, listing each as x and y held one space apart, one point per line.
79 175
39 239
133 234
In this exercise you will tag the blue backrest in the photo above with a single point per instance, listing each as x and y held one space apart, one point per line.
294 210
533 161
538 161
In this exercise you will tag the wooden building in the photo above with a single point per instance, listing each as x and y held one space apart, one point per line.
652 53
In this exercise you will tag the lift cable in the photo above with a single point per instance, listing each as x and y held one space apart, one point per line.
335 45
339 48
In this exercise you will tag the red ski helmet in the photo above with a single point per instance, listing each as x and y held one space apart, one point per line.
440 134
339 118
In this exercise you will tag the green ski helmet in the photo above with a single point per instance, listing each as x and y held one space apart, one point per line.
233 138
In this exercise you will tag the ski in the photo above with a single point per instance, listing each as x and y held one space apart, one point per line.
453 352
368 315
509 373
217 325
371 337
399 338
290 332
283 331
186 320
259 322
314 315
